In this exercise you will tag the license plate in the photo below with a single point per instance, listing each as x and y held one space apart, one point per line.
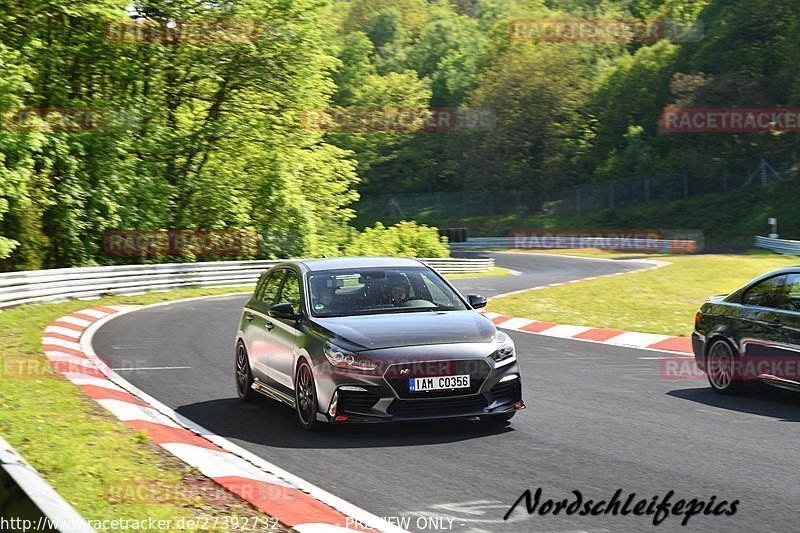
438 383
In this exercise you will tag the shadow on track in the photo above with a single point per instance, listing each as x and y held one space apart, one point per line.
269 423
760 400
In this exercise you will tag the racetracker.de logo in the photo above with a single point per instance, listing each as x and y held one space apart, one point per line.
181 31
370 120
627 240
731 120
187 490
176 242
51 119
603 30
596 30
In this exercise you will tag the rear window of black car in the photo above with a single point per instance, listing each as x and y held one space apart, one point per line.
767 293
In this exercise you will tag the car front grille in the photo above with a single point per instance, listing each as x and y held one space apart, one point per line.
398 376
438 406
356 402
507 392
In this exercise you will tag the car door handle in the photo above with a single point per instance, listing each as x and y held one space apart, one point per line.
775 323
249 317
270 325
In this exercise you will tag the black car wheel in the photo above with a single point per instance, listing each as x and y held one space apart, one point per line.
244 377
305 396
721 366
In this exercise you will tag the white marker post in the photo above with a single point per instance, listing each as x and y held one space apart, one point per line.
774 223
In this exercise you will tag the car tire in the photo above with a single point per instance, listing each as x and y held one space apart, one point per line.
721 370
305 397
244 376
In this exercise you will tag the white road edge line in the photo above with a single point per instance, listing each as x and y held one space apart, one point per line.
653 264
346 508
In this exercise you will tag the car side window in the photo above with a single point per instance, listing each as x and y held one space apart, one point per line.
791 293
291 291
262 280
767 293
270 292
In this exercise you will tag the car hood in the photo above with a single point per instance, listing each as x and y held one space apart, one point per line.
375 332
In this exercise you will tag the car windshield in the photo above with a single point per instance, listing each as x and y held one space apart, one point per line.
380 291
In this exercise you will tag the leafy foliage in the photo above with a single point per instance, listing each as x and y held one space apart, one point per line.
210 134
404 239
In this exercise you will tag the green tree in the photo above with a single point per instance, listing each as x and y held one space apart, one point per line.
539 134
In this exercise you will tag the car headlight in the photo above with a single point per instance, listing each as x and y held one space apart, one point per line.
341 358
506 349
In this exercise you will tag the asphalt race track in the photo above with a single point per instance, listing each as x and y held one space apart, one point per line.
599 418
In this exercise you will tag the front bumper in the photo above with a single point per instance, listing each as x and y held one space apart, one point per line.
349 398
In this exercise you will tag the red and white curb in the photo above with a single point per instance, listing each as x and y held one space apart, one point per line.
628 339
291 500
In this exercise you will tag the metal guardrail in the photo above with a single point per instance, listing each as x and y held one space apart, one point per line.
28 503
603 243
781 246
457 265
17 288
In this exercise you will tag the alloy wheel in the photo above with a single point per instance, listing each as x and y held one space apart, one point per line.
306 400
720 366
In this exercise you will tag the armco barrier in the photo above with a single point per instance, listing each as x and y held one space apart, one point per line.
781 246
562 243
28 503
18 288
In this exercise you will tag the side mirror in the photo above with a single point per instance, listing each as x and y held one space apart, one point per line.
283 310
477 301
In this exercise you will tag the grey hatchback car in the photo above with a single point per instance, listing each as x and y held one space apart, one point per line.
364 340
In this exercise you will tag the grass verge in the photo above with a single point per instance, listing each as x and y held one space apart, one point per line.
662 301
493 273
91 459
725 218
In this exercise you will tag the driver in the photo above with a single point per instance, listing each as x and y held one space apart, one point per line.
324 294
399 290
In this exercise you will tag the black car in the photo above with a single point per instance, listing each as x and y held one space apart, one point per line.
752 334
364 340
